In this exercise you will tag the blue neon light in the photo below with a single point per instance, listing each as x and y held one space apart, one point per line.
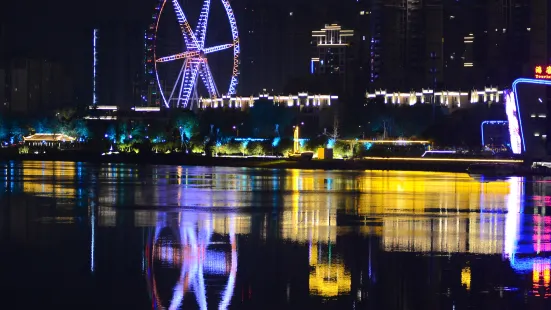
490 123
515 91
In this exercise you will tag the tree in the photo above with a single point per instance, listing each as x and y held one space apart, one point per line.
186 125
138 132
42 125
111 133
334 135
81 129
3 130
16 132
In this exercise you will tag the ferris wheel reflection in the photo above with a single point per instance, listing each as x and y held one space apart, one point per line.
185 241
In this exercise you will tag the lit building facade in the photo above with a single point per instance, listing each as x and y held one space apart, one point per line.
453 99
333 54
331 45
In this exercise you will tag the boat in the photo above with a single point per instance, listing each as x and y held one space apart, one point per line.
304 156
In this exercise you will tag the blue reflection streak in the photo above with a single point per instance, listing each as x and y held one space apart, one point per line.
93 241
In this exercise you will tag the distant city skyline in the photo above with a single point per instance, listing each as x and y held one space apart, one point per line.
437 46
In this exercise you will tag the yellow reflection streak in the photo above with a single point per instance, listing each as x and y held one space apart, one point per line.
43 178
466 278
328 275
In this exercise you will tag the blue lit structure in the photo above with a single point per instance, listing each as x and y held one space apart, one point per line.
195 63
489 123
514 114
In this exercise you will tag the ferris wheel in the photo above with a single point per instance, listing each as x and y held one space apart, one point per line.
191 62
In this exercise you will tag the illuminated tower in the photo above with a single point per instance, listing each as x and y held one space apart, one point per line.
95 67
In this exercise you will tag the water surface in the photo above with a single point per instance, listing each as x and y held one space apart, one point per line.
115 236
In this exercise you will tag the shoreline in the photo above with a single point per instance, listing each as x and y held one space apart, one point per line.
266 163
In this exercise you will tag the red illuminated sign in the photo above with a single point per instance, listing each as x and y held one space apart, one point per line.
543 72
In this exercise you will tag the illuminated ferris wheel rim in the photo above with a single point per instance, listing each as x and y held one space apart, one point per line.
195 60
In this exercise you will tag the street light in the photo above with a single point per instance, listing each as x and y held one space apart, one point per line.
236 128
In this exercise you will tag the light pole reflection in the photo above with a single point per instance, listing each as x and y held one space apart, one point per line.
185 242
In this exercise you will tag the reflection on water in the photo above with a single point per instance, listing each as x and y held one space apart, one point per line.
185 241
202 238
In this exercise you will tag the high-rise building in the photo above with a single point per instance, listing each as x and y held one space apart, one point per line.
3 98
507 40
332 53
454 44
37 85
274 44
119 64
539 30
405 43
464 50
2 65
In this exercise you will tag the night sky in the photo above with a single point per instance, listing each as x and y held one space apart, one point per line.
60 30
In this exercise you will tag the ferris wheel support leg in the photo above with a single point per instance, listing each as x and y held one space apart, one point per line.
189 82
180 76
194 99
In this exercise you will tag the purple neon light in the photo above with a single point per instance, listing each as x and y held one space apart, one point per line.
514 124
194 268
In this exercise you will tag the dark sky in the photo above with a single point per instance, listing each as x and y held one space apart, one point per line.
54 26
33 23
61 29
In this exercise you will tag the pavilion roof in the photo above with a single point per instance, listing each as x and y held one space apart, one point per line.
49 137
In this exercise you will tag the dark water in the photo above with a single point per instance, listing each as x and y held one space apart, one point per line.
79 236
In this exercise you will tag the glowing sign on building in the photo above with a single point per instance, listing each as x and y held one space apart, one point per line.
543 72
514 122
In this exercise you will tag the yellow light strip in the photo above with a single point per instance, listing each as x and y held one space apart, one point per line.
388 141
466 160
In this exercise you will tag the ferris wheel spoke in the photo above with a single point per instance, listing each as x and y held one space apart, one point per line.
189 35
217 48
178 56
201 30
208 80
